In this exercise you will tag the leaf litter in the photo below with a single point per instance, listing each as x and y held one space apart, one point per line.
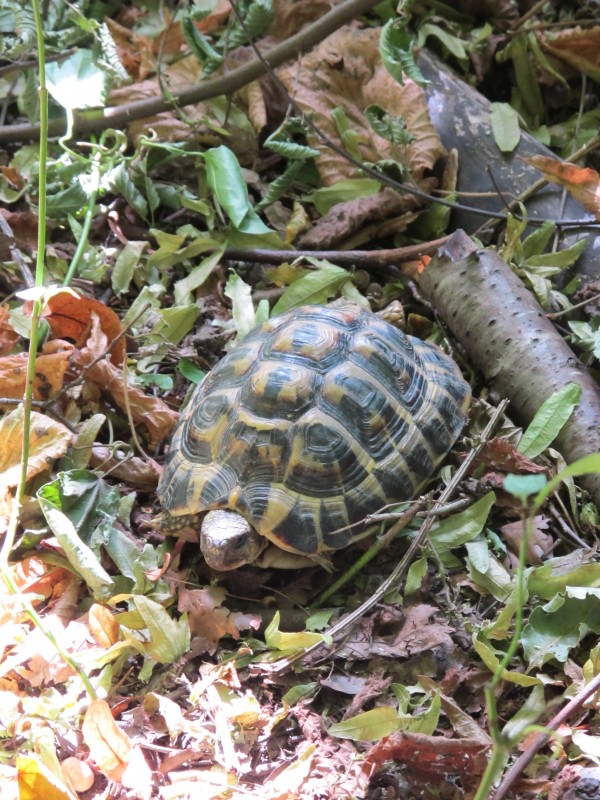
180 661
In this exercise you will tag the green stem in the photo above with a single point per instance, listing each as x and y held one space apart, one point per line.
87 222
31 365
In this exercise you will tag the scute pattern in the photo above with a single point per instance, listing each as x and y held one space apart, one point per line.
315 420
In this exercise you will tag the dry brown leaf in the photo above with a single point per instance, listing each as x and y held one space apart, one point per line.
209 620
8 335
70 317
432 759
109 746
500 454
50 368
48 441
345 71
257 110
152 412
216 18
136 53
103 625
581 183
138 474
137 774
539 543
578 47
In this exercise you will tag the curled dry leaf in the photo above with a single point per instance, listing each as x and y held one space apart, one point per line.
48 441
109 746
583 184
578 47
78 775
139 474
70 317
345 71
50 368
152 412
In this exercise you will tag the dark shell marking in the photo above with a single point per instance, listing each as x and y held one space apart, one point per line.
316 419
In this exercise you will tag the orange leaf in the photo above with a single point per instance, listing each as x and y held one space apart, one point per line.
48 441
581 183
152 412
110 747
50 368
70 317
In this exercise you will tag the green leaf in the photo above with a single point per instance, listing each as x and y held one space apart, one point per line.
190 370
169 639
127 260
505 126
74 505
549 420
452 43
487 572
559 260
68 201
225 178
555 575
174 323
587 465
554 630
369 726
183 289
243 313
536 242
523 486
316 287
279 640
77 82
388 126
491 658
463 527
301 691
341 191
120 181
396 48
281 184
414 577
291 150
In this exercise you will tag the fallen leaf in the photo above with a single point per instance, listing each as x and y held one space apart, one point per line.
50 369
346 72
109 746
209 620
578 47
582 183
539 544
8 335
70 317
48 441
432 759
152 412
500 454
36 781
103 625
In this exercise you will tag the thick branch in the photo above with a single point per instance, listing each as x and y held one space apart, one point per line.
119 116
507 336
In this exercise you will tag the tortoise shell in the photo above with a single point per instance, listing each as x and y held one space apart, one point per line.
318 418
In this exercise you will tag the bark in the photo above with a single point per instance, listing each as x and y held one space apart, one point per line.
507 336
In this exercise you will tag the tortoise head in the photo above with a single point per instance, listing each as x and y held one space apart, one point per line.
228 541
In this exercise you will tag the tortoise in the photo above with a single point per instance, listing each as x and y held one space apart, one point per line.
315 420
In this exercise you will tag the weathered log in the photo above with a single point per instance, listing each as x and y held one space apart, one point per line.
507 336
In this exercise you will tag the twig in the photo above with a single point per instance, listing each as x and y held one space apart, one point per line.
359 258
521 763
120 116
398 573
